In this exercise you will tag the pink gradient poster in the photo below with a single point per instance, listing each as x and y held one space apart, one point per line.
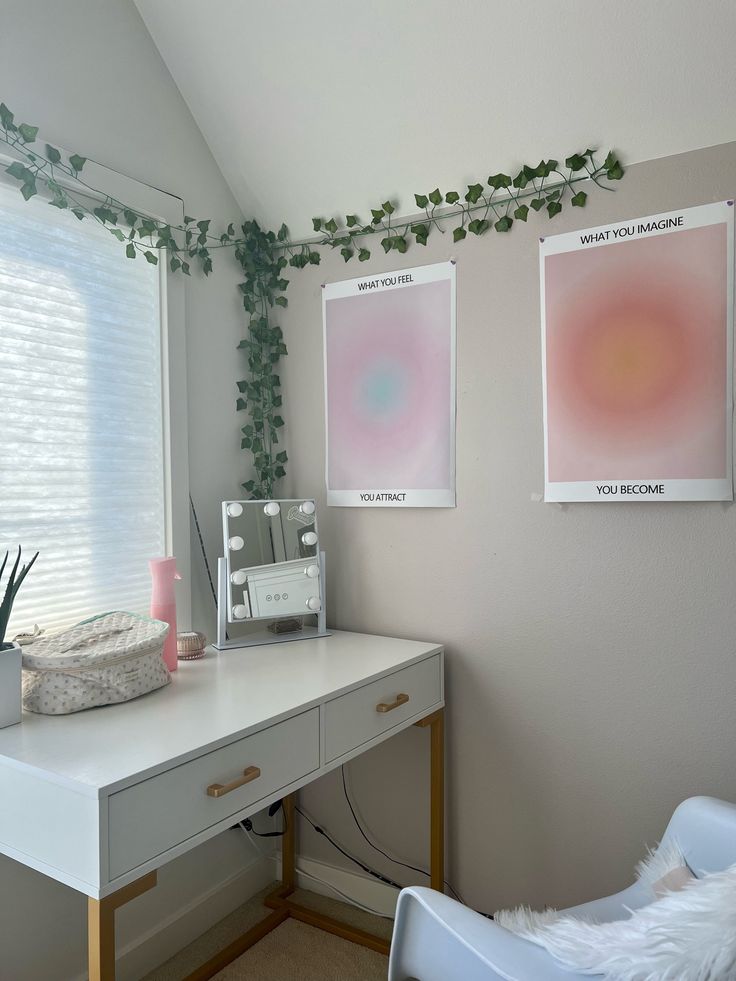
389 342
637 328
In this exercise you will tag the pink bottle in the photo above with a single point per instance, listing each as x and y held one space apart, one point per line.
163 604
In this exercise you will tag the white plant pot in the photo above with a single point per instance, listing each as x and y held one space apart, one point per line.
10 686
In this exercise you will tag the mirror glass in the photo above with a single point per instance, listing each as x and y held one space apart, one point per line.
272 556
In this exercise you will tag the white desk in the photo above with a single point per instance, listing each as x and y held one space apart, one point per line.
132 786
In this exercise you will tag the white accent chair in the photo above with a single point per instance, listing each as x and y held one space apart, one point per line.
437 939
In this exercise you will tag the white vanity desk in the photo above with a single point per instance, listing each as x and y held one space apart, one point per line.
101 799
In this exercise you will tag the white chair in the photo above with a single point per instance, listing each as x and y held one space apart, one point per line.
437 939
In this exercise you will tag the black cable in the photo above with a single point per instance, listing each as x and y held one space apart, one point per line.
204 554
380 851
277 806
352 858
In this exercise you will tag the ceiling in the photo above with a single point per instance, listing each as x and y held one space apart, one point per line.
320 107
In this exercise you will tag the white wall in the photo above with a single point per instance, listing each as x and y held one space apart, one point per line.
330 106
590 648
87 73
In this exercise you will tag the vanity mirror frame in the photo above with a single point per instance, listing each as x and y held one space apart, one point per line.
259 634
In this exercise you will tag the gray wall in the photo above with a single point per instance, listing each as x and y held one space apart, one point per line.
590 648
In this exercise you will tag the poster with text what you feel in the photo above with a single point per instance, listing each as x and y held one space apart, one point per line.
389 344
637 329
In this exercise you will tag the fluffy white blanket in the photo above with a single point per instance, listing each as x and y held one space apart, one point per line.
689 935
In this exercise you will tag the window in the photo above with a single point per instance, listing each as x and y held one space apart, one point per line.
82 436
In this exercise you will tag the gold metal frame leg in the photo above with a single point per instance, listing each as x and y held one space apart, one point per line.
436 724
101 927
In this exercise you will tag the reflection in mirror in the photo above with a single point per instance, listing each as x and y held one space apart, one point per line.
272 561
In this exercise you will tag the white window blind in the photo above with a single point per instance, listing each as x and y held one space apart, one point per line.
81 417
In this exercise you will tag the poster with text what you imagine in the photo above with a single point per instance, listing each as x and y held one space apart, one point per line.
637 329
389 346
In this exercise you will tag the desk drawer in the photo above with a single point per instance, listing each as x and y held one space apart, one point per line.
159 813
360 715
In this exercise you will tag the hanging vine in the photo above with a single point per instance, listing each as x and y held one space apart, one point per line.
264 255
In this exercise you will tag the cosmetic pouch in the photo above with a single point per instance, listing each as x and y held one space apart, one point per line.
110 658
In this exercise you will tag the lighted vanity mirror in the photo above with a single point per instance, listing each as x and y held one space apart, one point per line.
271 577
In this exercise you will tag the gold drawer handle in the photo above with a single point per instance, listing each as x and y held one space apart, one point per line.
220 789
401 699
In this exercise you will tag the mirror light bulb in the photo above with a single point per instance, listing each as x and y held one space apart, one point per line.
307 507
234 510
312 571
240 612
314 604
238 578
235 543
272 509
309 537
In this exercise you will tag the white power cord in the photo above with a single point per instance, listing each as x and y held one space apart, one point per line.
323 882
342 895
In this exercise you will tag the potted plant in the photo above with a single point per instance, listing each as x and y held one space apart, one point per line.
11 655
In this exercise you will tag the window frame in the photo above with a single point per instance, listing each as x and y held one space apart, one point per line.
168 208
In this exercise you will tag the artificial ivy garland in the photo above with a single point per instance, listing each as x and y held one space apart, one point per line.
264 255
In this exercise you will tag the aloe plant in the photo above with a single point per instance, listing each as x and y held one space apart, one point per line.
11 591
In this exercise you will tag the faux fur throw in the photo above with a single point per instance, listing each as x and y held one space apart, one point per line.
687 935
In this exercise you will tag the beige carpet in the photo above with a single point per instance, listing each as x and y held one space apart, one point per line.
291 952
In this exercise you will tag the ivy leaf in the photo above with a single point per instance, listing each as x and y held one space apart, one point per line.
521 180
435 197
400 243
474 193
459 234
377 215
578 200
314 258
364 255
522 212
117 232
347 253
151 257
281 457
79 213
452 197
388 207
387 243
420 228
174 263
6 118
478 226
278 422
240 404
351 220
422 200
575 162
554 208
283 233
331 226
504 223
281 301
614 170
130 216
537 203
77 162
316 224
28 133
29 189
499 181
19 171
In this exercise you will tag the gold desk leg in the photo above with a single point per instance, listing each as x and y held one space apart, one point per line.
101 927
436 723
